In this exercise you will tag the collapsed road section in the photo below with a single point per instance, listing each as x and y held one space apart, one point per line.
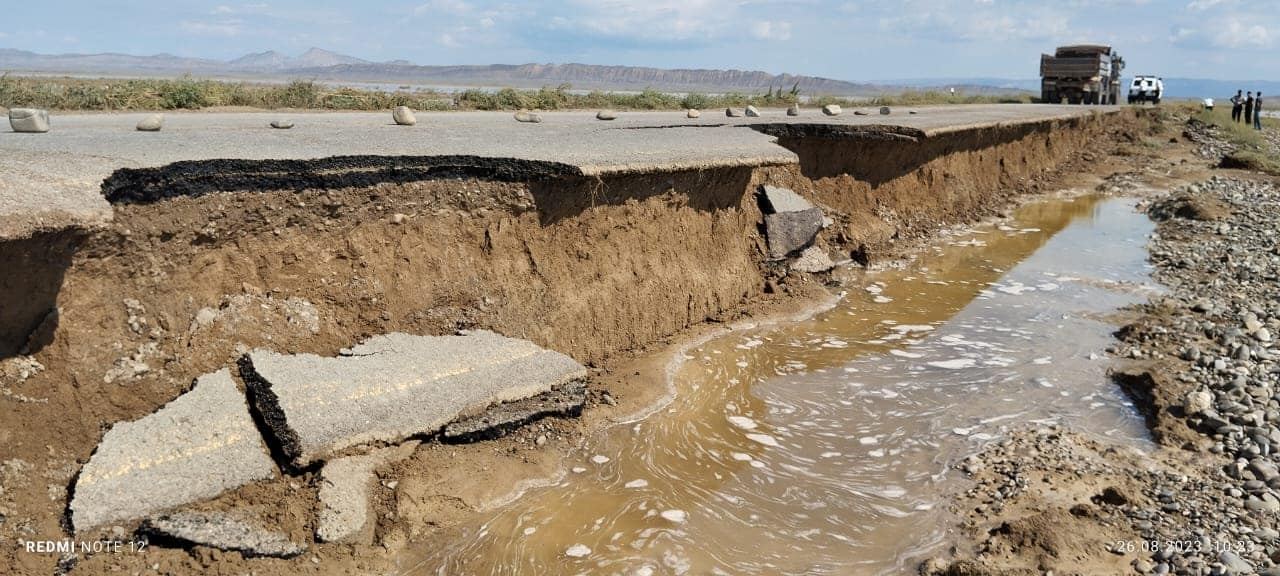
568 244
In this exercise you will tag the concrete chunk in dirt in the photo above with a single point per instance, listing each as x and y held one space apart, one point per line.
500 419
790 221
221 531
788 232
194 448
392 387
346 490
777 199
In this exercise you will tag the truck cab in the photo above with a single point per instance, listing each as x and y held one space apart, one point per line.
1146 89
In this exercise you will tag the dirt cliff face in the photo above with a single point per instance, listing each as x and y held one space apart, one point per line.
592 267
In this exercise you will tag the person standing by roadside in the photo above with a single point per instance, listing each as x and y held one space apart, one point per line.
1237 105
1248 109
1257 112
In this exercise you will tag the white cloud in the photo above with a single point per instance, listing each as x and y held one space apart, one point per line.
1229 32
656 20
455 7
1202 5
224 27
767 30
1238 34
448 40
227 9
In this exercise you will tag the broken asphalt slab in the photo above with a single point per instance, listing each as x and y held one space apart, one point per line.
221 531
346 490
393 387
500 419
199 445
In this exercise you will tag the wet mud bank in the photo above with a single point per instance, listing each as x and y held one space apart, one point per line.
195 271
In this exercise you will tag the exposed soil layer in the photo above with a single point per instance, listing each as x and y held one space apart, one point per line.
603 270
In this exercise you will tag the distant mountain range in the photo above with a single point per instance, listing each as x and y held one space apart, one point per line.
323 65
327 66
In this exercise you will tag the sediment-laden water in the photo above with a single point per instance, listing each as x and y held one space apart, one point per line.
825 446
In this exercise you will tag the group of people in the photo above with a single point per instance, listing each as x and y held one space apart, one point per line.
1249 106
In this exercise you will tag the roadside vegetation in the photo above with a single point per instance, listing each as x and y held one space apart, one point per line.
1255 150
59 93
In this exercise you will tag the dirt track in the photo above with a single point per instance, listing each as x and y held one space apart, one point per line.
606 270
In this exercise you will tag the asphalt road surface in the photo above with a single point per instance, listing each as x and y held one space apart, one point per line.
53 180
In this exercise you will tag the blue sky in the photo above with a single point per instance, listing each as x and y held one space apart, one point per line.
1222 39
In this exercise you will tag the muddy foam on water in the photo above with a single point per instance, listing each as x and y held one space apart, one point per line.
826 446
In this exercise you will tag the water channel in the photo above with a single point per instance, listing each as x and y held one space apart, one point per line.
825 446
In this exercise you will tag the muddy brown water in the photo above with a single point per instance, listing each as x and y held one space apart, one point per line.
826 446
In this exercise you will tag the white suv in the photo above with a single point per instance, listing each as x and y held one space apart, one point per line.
1146 89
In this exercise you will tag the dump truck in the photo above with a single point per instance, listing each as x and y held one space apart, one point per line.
1081 74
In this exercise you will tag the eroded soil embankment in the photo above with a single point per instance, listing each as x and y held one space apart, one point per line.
596 268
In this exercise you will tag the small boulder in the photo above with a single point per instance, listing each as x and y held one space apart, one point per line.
794 110
403 115
29 120
831 110
527 116
606 115
732 113
692 113
885 111
1197 401
282 124
752 112
813 260
151 123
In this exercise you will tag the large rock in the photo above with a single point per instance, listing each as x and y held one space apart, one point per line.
28 120
346 490
194 448
222 531
394 386
732 113
151 123
528 117
790 221
692 113
831 110
793 110
285 124
606 115
788 232
403 115
752 112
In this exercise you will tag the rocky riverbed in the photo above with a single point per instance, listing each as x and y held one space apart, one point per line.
1202 364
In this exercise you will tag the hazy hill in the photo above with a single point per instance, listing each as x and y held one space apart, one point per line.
324 65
